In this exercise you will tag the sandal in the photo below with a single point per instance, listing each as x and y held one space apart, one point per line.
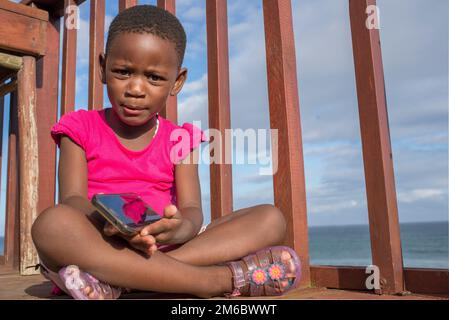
83 286
272 271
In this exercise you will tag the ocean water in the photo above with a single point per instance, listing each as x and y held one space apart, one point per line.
424 245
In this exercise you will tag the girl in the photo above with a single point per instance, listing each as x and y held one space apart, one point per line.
128 148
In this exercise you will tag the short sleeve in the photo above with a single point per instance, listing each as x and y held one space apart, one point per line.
72 125
186 139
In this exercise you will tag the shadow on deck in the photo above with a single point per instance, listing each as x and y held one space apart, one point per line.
16 287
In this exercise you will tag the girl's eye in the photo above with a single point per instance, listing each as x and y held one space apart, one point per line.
154 77
122 72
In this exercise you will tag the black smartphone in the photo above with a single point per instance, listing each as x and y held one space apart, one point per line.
126 211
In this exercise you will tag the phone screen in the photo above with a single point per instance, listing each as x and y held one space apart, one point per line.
128 208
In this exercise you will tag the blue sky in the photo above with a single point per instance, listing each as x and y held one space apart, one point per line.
414 39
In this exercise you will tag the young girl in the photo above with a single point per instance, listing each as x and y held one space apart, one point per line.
129 148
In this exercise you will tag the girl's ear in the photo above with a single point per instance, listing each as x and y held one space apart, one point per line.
102 62
180 80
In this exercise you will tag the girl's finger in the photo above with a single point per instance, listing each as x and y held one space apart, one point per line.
170 211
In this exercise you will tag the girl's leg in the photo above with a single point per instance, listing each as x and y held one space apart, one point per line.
65 236
234 236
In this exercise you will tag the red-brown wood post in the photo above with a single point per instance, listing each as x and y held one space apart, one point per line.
47 77
125 4
28 162
12 248
171 110
69 57
377 154
96 46
219 104
289 181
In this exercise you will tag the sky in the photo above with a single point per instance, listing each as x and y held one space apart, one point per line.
414 39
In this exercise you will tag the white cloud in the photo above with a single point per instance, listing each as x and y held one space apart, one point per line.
420 194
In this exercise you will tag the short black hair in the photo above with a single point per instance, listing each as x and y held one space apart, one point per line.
149 19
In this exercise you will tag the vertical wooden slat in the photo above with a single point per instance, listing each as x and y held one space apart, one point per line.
12 190
47 112
219 103
96 46
68 64
124 4
377 154
171 110
28 161
288 181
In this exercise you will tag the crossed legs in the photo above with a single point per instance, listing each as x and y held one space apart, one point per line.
65 236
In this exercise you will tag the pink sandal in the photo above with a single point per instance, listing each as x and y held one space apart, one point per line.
76 282
272 271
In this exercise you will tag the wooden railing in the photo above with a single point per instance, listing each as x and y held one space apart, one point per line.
284 107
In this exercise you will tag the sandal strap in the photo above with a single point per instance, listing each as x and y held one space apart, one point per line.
238 278
253 266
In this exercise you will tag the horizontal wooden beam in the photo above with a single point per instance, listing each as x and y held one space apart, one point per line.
423 281
22 33
10 61
24 10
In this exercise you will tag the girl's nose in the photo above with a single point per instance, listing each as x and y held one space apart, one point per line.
135 88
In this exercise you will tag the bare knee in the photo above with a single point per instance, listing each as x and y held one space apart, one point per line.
273 220
50 224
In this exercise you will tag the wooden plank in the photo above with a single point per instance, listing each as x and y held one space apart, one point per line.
427 280
47 112
68 65
10 61
24 10
20 33
377 154
219 104
417 280
96 46
171 110
124 4
289 181
352 278
37 287
28 162
11 243
7 88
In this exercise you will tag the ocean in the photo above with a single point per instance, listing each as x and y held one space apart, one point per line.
424 245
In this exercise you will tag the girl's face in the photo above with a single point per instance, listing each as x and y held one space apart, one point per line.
140 71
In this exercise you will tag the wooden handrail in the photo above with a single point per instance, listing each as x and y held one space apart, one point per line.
96 46
377 155
289 180
219 105
68 62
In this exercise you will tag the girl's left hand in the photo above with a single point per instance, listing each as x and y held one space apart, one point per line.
164 230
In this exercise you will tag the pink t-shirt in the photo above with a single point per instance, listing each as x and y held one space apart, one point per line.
112 168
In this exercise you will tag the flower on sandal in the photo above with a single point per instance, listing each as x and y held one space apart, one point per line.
259 276
276 272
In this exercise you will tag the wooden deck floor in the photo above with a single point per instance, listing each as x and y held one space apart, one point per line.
16 287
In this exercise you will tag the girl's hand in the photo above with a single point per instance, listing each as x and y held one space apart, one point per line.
164 231
145 244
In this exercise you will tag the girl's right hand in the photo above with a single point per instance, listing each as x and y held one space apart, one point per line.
145 244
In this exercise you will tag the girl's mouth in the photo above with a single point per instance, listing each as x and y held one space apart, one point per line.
132 111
